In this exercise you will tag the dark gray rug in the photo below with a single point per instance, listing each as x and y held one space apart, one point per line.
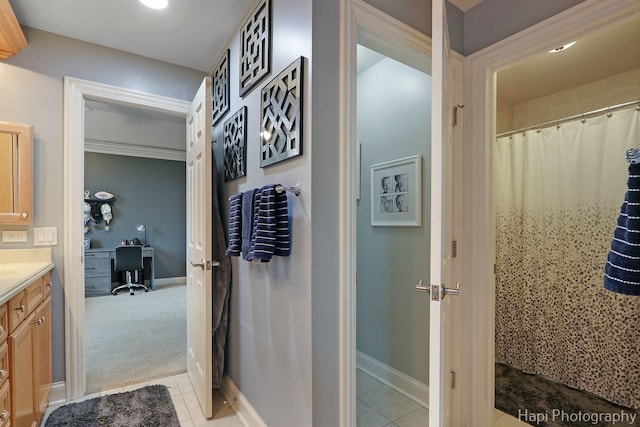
150 406
538 401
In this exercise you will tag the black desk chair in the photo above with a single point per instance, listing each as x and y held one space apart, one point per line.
128 259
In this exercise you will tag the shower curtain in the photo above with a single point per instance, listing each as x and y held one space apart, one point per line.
558 195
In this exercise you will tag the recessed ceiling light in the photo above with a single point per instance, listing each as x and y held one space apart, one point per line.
155 4
561 48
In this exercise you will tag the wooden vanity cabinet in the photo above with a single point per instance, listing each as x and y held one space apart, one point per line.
29 347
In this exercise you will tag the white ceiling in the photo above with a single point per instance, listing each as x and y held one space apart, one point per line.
193 33
190 33
608 51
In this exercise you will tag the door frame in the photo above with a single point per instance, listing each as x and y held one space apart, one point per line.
76 91
361 22
480 96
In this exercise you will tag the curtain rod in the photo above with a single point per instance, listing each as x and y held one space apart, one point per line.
582 116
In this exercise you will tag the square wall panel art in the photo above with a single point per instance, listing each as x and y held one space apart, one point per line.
220 89
281 115
235 145
255 47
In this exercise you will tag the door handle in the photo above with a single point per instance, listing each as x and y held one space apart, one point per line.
438 292
421 287
205 264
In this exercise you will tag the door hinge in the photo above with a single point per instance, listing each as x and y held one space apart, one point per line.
454 248
457 108
453 380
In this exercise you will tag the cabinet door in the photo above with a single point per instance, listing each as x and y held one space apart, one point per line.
22 374
42 355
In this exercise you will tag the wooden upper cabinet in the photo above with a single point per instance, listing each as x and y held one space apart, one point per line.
12 38
16 173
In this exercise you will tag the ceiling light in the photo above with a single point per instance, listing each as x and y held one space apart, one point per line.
561 48
155 4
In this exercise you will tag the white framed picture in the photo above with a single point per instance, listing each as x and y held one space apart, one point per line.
396 193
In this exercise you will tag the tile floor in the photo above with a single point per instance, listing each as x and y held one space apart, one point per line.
378 405
185 402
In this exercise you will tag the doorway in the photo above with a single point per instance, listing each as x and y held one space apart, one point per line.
480 70
392 356
76 93
135 155
565 355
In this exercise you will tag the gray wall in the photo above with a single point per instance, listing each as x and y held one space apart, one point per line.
284 333
31 90
269 343
393 121
147 191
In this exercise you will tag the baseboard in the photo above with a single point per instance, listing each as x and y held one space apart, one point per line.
240 404
169 281
403 383
58 394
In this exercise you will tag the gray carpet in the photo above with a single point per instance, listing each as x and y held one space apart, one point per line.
149 406
131 339
541 402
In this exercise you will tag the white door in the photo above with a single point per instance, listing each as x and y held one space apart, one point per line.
442 293
199 240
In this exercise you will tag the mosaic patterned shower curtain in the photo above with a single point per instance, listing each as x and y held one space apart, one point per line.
558 195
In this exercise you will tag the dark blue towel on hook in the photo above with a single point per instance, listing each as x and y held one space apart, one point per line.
235 225
622 271
248 223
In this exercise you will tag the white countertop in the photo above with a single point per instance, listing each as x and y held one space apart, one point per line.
20 267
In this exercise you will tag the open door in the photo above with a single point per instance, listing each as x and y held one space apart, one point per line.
442 292
199 247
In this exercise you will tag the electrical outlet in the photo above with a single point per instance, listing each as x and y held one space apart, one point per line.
14 236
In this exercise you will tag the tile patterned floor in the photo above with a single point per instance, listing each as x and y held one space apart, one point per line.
378 405
185 402
504 420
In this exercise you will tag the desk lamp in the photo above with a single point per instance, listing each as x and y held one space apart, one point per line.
141 228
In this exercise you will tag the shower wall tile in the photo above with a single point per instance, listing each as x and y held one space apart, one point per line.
504 116
540 110
623 87
613 90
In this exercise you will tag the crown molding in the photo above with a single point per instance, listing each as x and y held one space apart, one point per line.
123 149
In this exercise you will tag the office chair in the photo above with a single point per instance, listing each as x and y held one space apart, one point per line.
129 258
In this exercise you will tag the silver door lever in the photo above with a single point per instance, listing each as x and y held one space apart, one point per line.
438 292
421 287
205 264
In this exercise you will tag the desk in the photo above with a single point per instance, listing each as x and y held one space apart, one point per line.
99 274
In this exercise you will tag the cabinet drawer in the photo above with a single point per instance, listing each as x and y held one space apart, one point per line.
4 322
97 286
5 405
35 294
17 310
102 265
4 363
46 282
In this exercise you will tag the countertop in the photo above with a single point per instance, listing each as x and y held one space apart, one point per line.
20 267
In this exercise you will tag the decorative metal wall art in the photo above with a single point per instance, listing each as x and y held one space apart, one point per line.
220 89
235 145
255 47
281 115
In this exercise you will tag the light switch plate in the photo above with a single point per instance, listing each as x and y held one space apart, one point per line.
45 236
14 236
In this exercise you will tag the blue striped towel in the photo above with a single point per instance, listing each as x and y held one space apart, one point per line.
271 233
235 225
622 271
